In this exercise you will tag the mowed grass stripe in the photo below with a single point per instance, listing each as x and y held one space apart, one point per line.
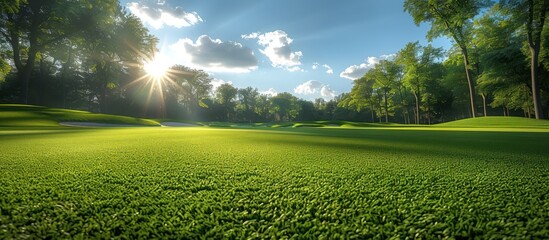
305 182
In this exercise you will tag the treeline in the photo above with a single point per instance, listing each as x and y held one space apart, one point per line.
72 54
90 54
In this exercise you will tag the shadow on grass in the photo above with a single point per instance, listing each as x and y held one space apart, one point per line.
442 143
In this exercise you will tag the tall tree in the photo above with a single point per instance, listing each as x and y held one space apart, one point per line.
33 26
225 96
284 106
262 106
418 64
504 72
247 102
116 42
452 18
386 74
362 96
532 14
191 87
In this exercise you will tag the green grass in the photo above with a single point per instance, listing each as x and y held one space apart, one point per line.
17 115
483 177
497 122
193 183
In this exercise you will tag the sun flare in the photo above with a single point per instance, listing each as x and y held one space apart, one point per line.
157 68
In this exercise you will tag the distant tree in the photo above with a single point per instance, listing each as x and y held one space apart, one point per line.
450 18
262 106
361 96
418 64
436 98
386 75
532 14
284 106
191 87
247 98
307 111
453 81
226 95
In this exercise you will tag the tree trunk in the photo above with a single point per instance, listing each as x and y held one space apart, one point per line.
484 103
470 81
534 40
386 105
380 111
24 72
373 112
417 108
534 69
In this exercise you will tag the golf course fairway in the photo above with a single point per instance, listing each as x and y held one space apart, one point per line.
310 183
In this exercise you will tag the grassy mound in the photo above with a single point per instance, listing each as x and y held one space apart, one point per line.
497 122
18 115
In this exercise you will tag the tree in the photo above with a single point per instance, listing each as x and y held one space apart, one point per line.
6 7
247 98
362 96
262 106
532 14
436 98
284 106
36 24
418 64
307 111
225 96
116 42
451 18
386 74
191 87
504 71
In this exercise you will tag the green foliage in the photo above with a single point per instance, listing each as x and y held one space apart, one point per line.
422 76
284 106
5 68
311 183
10 6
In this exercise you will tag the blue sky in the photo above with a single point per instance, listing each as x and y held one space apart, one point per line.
310 48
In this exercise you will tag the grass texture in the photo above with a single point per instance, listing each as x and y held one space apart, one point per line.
302 183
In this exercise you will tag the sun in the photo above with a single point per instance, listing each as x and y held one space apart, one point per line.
157 68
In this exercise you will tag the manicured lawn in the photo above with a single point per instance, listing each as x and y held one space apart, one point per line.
192 183
19 115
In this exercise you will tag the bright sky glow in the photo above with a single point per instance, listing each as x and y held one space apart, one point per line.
157 68
310 48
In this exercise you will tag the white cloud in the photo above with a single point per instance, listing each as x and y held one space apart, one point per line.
329 69
214 55
313 87
295 69
357 71
158 14
218 82
250 36
276 46
271 92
